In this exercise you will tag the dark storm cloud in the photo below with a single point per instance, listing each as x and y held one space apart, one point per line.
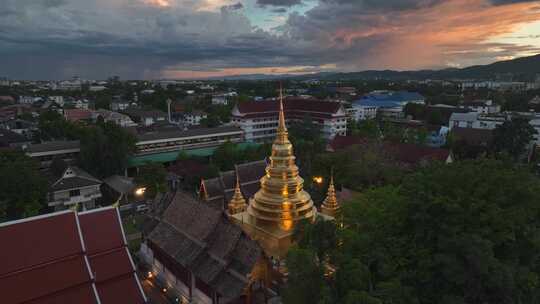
286 3
143 38
233 7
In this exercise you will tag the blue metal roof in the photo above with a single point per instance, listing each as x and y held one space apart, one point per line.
388 99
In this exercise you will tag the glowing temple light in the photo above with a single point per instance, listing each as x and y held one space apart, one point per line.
318 179
140 191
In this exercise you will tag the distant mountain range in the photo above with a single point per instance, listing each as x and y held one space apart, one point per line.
520 69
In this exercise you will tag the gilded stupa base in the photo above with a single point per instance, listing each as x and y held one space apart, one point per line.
274 241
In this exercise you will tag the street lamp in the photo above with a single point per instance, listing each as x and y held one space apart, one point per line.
140 191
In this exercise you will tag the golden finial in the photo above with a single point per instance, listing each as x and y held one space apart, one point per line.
237 203
282 133
330 205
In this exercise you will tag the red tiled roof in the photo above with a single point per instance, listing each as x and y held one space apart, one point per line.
62 257
414 154
109 257
401 152
290 106
342 142
77 114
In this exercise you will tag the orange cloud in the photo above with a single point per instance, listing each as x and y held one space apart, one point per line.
443 34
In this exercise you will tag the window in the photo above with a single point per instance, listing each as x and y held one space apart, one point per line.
73 193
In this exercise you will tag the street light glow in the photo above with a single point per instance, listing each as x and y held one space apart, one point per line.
140 191
318 179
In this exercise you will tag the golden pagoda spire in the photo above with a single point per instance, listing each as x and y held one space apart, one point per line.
282 133
237 203
281 202
330 206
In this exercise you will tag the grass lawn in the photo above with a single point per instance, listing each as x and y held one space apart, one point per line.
131 224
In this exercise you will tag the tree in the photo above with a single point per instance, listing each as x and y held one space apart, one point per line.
467 232
153 177
513 137
305 280
22 188
105 149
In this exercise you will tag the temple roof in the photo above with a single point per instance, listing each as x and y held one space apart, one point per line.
201 239
67 257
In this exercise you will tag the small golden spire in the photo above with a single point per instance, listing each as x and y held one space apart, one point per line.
237 203
330 205
282 133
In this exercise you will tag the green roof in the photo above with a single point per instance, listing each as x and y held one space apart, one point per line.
166 157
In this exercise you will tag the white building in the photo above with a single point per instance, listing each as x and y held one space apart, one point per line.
58 99
27 99
475 120
259 119
110 116
194 118
482 106
120 105
74 187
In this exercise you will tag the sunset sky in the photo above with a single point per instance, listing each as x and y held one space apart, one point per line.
149 39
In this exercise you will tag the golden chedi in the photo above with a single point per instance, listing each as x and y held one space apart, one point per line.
281 202
330 204
237 203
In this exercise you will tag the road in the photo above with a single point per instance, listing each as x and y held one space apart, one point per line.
153 293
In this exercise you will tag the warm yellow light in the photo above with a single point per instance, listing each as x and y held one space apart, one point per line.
318 179
150 275
164 290
140 191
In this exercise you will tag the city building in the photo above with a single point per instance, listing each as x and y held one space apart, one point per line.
26 99
74 115
202 257
119 105
10 139
259 119
482 106
57 99
281 201
75 188
194 118
387 103
68 257
44 153
475 120
146 118
109 116
176 140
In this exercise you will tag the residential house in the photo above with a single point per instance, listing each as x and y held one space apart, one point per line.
68 257
120 105
194 118
10 139
146 118
75 115
115 117
75 188
45 152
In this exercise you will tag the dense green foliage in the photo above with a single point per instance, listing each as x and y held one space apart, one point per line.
468 232
513 137
105 149
22 188
228 154
153 177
